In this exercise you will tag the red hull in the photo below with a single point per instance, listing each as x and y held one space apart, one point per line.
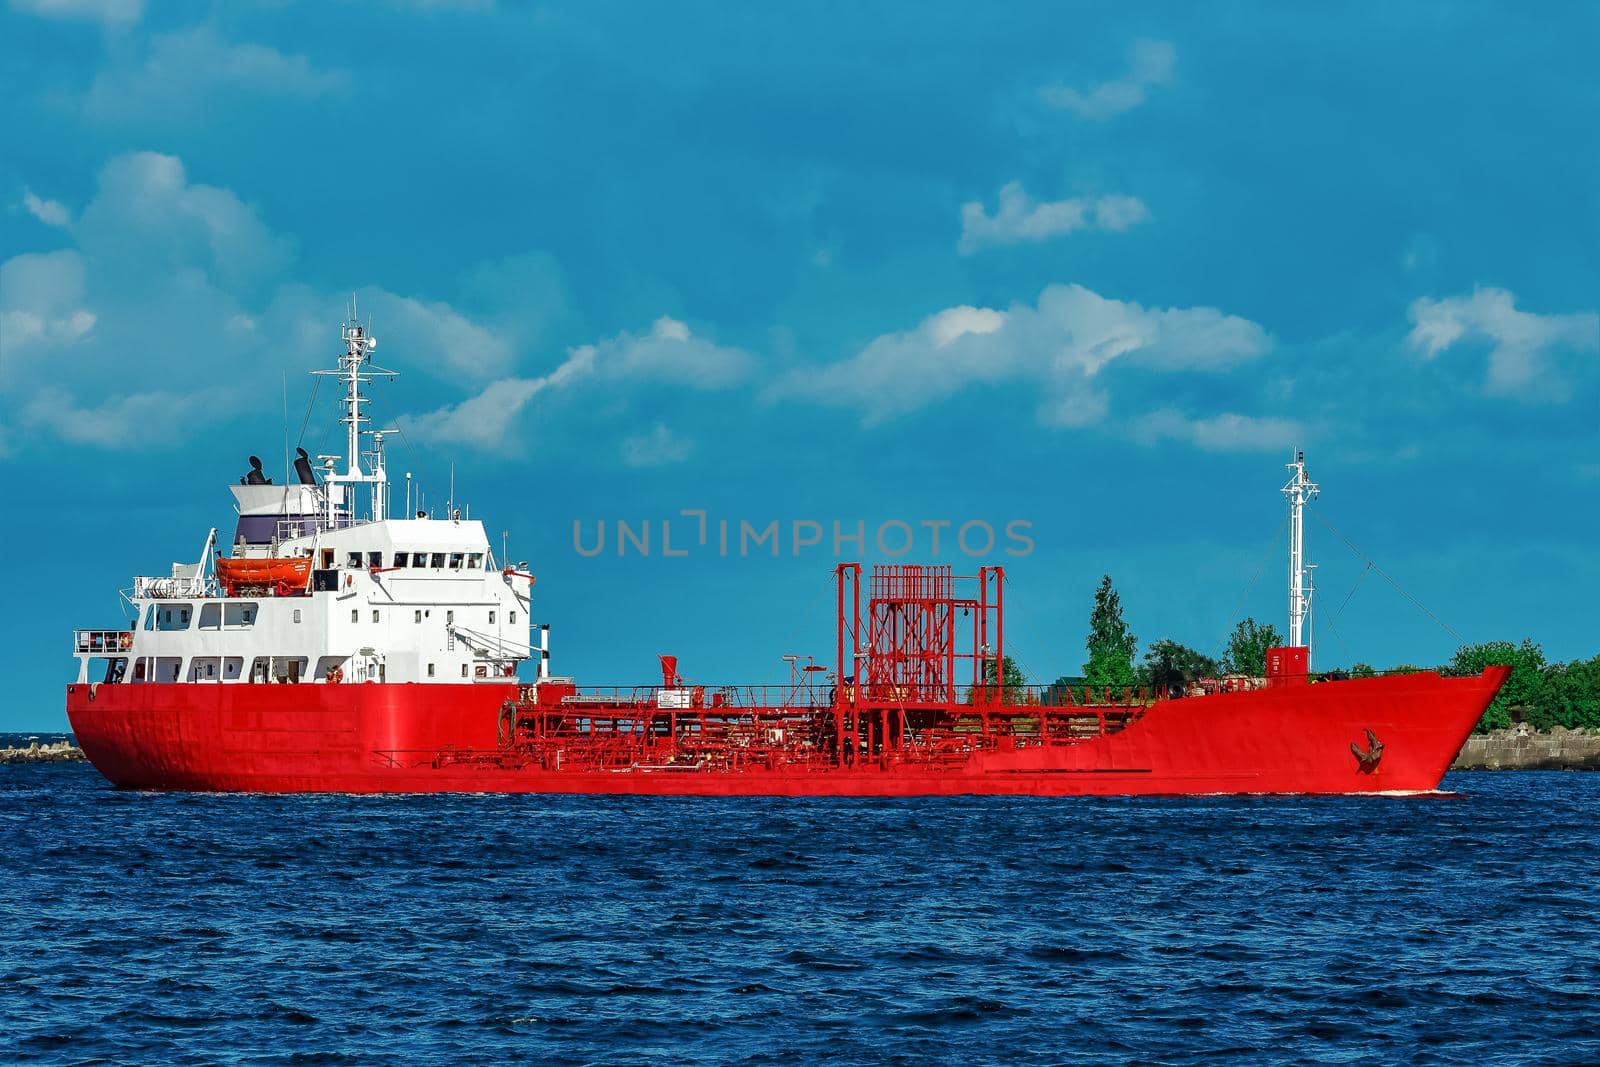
445 738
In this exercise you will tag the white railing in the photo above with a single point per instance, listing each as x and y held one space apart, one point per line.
489 646
172 588
101 642
302 526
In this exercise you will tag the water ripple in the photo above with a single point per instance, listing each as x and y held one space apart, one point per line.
348 930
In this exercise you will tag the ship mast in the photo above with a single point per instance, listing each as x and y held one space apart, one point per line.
355 367
1299 490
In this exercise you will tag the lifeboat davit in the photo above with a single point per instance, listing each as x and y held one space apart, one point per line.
286 577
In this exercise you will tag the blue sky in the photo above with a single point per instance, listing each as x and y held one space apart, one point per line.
1093 269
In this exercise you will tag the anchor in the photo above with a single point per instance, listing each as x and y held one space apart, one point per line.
1368 757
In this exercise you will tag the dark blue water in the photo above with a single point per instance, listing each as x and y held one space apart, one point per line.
151 928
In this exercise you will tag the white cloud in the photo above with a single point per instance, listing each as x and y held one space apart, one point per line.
171 279
185 71
658 448
49 212
41 303
107 12
1117 213
1060 345
126 421
671 353
163 268
1228 432
1020 218
486 420
1521 342
429 330
1150 64
147 218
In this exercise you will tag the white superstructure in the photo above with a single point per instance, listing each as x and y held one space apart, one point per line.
347 597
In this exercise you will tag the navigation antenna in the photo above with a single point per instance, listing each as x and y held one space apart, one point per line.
355 367
1299 490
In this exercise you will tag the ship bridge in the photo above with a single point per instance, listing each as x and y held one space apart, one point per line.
320 585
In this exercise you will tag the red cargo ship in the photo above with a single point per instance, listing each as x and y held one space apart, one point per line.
340 652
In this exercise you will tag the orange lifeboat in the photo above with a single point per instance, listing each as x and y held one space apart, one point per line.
286 577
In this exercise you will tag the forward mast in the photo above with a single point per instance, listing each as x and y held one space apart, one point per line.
1300 490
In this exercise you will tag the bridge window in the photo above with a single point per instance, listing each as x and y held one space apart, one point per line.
402 559
353 559
172 619
438 561
455 560
475 560
375 559
419 559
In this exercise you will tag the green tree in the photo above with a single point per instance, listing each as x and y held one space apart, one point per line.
1247 648
1522 692
1169 666
1012 687
1010 674
1111 647
1572 693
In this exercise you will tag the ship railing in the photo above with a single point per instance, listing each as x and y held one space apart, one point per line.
157 588
993 696
702 696
311 525
102 642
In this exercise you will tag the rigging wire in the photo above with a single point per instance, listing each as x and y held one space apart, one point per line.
1222 644
1419 605
1027 672
1350 595
1340 637
416 462
827 587
316 383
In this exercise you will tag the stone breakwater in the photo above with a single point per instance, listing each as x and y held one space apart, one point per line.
1522 749
57 752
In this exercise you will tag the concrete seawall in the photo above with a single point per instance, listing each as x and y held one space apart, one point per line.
57 752
1521 749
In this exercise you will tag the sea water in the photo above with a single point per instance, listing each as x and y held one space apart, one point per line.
181 928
